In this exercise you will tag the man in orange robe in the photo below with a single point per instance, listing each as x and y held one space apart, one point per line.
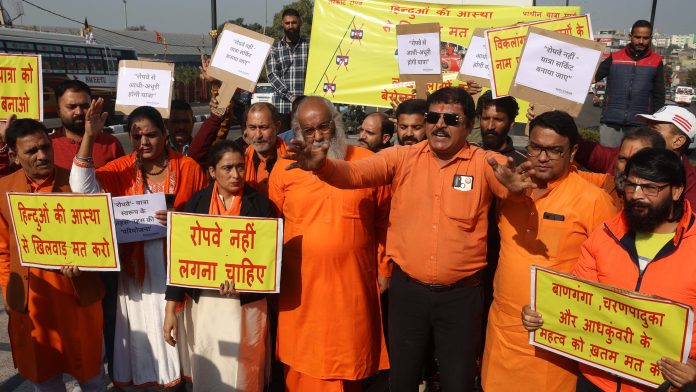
262 125
55 318
329 328
545 229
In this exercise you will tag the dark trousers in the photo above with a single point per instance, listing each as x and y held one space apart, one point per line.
110 281
454 319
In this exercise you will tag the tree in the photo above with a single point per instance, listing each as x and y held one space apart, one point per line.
691 77
184 75
305 8
136 28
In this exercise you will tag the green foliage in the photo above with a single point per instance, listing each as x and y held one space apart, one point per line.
137 28
590 134
240 22
185 73
305 8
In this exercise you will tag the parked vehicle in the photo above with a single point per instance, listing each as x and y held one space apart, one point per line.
683 95
600 89
264 93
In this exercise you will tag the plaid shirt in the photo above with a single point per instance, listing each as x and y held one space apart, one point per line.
286 70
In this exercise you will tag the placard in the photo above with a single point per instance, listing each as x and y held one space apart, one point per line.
616 330
144 83
64 229
21 86
505 46
207 250
135 217
238 59
556 70
420 38
476 64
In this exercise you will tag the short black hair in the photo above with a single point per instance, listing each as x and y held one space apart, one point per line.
561 122
457 96
179 104
291 12
647 134
147 112
641 23
385 125
659 165
219 149
411 106
21 128
507 105
72 85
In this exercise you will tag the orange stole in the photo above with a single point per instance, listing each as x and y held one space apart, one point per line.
218 208
259 178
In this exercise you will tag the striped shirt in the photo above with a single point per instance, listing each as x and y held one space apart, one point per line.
286 70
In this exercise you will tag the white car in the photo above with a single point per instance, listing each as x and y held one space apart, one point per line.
264 93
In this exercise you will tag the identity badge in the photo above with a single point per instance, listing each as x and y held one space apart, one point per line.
463 183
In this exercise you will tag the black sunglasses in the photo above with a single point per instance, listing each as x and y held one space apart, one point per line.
451 119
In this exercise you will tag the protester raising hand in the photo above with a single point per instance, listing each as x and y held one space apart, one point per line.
309 157
95 117
515 179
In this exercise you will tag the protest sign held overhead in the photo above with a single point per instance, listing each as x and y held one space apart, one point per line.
144 83
207 250
62 229
505 46
135 217
556 70
21 86
615 330
238 59
476 65
362 34
418 48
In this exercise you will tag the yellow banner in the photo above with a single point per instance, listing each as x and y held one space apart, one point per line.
21 89
59 229
505 46
352 55
616 330
207 250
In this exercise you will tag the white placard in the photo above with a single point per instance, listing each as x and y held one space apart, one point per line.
556 67
144 87
134 217
419 54
240 55
476 61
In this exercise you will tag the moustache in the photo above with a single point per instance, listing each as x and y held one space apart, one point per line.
440 132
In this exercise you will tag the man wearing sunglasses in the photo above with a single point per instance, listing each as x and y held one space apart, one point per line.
649 248
436 239
546 229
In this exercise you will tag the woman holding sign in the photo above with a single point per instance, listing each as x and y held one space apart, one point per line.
141 355
239 320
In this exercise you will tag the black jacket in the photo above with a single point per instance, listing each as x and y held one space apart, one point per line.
254 204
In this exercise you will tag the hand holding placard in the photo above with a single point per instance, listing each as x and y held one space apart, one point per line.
238 59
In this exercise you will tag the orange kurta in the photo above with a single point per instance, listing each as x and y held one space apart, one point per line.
329 326
547 231
55 334
258 177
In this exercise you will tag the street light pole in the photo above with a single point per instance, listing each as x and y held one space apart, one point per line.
652 14
125 10
213 21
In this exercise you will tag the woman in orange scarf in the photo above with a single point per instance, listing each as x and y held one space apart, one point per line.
141 356
238 320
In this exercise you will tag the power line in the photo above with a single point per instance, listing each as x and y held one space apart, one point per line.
107 30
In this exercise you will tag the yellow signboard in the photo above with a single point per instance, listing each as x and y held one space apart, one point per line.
505 46
21 89
352 58
64 229
616 330
207 250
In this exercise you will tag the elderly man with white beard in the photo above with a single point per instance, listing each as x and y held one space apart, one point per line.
329 327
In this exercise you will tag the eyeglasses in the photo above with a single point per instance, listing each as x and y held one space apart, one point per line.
650 190
551 152
325 128
451 119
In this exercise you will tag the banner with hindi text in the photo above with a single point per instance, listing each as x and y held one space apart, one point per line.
352 56
207 250
64 229
612 329
21 86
